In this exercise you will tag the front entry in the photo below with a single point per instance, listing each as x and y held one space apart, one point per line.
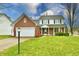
44 31
51 31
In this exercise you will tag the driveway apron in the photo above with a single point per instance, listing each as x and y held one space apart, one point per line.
7 43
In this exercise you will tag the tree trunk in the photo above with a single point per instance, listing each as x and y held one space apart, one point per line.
71 30
71 19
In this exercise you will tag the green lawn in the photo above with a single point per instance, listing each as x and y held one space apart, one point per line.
47 46
4 36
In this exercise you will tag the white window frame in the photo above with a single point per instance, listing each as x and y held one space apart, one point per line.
40 22
57 21
45 21
62 21
51 21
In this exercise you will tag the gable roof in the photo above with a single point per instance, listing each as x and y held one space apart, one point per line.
23 15
1 14
51 17
36 21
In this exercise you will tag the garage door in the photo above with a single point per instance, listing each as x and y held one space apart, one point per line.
26 31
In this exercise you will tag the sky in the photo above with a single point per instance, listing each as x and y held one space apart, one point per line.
34 10
14 10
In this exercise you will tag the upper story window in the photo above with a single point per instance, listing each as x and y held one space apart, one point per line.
45 21
62 21
57 21
51 21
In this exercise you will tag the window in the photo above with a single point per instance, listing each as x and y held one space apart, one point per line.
45 21
62 21
51 21
57 21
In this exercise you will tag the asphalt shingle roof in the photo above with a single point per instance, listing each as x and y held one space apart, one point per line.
52 17
1 14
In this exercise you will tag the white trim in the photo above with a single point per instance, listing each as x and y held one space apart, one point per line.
53 31
44 26
64 30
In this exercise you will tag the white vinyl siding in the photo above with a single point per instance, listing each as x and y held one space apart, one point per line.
40 22
62 21
5 26
45 21
51 21
5 29
57 21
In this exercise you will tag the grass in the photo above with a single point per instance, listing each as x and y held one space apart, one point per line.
47 46
4 36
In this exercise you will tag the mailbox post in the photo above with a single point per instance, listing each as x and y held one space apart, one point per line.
18 40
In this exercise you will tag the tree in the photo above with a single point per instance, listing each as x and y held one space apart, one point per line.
71 14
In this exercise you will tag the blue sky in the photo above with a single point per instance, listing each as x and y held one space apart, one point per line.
14 10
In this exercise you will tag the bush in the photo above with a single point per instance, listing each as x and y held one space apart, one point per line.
61 34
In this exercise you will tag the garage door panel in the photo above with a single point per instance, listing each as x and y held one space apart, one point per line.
26 31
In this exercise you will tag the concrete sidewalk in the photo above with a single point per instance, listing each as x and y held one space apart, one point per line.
7 43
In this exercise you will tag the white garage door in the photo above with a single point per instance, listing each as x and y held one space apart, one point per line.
26 31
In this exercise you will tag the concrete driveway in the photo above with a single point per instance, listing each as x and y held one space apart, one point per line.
7 43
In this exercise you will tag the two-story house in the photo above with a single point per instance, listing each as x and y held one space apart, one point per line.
46 25
50 24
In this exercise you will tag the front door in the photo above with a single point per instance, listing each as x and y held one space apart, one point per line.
45 31
51 31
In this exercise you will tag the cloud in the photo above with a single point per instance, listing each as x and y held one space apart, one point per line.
48 12
35 17
33 7
0 11
54 11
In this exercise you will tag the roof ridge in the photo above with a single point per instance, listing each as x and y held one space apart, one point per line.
52 16
6 16
21 16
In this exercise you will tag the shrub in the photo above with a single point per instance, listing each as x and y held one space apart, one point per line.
61 34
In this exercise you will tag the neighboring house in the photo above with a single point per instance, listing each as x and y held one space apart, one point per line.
5 24
27 27
50 24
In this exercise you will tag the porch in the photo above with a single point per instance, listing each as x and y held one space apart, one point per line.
47 30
